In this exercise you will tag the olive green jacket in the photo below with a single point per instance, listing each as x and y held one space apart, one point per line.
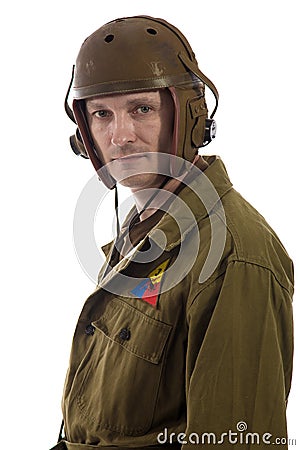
191 341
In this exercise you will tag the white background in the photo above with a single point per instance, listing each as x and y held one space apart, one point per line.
250 49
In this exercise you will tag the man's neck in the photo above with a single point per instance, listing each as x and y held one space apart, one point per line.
163 194
145 207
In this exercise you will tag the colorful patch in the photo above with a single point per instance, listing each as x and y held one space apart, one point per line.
148 289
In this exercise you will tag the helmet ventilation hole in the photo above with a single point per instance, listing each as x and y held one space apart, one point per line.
151 31
109 38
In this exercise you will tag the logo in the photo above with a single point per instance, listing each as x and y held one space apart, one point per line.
148 289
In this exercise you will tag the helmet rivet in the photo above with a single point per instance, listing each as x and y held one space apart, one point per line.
109 38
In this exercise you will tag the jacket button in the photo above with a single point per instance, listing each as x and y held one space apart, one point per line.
89 330
124 334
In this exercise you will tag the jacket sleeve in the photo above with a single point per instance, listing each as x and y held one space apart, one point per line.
239 360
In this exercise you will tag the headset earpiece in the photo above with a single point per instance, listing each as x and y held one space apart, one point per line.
210 131
77 145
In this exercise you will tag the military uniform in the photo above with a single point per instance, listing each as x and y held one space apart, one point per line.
197 358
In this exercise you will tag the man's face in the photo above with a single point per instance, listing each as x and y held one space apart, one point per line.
130 130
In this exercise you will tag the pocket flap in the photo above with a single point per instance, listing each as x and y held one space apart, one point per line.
138 333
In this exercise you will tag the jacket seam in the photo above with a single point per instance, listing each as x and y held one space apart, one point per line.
239 252
264 266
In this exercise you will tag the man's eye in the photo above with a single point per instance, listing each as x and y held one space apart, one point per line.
102 113
144 109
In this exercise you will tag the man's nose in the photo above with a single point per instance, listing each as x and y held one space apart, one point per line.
122 131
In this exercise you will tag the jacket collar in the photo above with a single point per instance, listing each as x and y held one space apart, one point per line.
194 202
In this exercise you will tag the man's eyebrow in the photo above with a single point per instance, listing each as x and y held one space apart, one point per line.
95 104
143 100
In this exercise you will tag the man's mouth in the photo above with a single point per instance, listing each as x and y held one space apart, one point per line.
132 157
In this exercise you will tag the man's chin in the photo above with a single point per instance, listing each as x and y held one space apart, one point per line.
143 181
135 181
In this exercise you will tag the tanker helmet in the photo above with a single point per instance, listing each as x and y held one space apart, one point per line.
136 54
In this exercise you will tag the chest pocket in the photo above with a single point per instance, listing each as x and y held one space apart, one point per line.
119 378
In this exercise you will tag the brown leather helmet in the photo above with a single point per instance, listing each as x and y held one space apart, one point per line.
135 54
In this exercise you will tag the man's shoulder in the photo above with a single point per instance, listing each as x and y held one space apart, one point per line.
253 240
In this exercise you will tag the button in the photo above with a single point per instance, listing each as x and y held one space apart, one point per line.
90 330
124 334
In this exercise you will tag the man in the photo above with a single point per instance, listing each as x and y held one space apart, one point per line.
187 339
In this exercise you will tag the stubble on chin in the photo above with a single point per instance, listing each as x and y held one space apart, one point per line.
142 181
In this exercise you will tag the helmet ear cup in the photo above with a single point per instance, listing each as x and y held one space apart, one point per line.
77 144
199 112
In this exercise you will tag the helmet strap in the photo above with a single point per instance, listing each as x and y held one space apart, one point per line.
68 110
197 72
116 210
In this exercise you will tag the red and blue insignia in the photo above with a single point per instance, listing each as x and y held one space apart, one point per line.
148 289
